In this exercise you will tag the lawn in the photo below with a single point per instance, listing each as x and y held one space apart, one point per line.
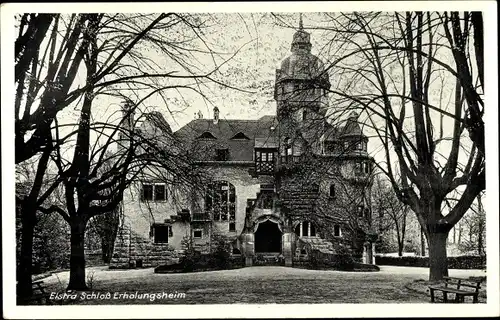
259 285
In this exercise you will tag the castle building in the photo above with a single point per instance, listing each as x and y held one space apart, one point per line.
284 185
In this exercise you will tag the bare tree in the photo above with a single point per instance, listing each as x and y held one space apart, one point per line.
51 50
392 213
398 69
95 179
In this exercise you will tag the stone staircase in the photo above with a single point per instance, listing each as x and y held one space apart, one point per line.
268 259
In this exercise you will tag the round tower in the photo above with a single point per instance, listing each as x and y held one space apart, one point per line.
301 92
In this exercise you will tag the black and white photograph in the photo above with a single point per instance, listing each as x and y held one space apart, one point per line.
277 159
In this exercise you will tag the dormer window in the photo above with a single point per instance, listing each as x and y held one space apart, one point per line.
240 136
206 136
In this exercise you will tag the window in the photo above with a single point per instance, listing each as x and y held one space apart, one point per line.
362 168
240 136
366 167
197 234
222 155
232 227
304 115
154 192
161 233
359 146
305 229
367 212
288 147
147 192
360 210
336 231
220 200
207 136
264 161
332 191
160 192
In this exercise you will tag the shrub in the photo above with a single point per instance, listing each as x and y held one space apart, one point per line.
458 262
190 257
220 251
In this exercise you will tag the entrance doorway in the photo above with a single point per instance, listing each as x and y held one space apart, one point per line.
268 237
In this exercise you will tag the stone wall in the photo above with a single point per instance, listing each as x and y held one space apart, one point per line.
132 250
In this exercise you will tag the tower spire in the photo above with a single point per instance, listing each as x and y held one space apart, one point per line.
301 26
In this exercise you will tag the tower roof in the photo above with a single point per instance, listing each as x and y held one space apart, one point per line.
301 42
301 64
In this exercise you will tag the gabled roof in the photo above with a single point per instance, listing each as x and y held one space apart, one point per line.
351 128
229 134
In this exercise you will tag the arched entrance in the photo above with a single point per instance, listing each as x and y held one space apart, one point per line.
268 237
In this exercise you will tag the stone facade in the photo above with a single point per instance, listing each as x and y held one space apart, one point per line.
133 251
285 185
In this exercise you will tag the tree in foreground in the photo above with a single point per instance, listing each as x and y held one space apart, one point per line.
417 79
113 52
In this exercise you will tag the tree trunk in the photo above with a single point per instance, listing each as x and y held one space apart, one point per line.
77 259
24 271
422 242
438 260
400 248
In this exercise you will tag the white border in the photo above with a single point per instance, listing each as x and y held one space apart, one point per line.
255 311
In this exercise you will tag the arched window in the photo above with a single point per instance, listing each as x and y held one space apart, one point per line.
332 191
220 200
305 229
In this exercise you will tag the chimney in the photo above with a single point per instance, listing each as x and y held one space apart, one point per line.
128 114
216 115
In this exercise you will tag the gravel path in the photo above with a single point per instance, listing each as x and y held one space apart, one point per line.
260 285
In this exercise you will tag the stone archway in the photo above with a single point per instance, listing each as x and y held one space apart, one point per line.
268 237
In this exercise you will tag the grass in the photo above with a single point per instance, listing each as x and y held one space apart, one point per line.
258 285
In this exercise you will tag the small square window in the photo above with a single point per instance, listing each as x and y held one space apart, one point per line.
147 192
197 234
161 233
160 192
232 227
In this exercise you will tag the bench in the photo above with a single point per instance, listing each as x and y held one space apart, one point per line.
456 286
39 293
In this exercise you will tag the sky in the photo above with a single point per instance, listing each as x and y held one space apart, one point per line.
254 44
